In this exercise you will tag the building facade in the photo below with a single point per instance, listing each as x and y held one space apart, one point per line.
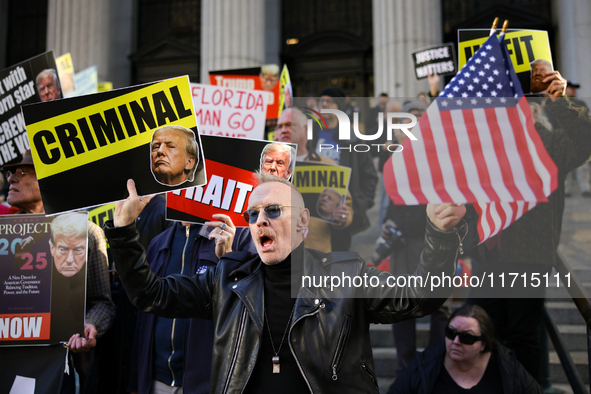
361 45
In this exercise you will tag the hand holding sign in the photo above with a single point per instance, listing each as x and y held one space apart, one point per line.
445 216
433 84
557 87
342 215
79 344
128 210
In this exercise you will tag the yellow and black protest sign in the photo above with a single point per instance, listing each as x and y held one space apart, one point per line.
65 70
105 86
524 46
101 214
97 142
285 91
323 187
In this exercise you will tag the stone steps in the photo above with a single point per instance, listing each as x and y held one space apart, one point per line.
386 361
565 314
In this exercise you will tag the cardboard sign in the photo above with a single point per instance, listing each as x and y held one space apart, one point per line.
86 148
43 275
524 46
323 186
18 87
250 78
105 86
285 91
101 214
436 59
22 369
65 70
231 164
86 81
230 112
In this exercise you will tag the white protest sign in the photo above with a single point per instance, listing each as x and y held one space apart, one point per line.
230 112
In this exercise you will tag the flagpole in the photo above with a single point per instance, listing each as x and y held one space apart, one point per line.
493 29
504 30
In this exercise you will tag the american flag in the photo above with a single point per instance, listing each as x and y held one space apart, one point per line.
476 144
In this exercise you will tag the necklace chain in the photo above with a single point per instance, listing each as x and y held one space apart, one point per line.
285 332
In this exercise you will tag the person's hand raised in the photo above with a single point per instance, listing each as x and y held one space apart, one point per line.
128 210
445 216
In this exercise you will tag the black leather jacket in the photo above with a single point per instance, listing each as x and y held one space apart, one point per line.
329 334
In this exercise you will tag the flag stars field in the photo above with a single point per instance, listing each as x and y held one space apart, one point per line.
476 149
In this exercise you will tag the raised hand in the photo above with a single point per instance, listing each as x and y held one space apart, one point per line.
223 234
445 216
557 87
128 210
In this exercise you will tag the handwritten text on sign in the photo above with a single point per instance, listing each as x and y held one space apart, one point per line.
230 112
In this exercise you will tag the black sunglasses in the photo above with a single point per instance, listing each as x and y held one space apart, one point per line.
272 211
465 338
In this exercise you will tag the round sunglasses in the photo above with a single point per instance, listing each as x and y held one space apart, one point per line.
465 338
272 211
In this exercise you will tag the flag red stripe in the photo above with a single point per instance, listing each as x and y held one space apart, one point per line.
538 143
489 220
433 160
476 145
499 145
390 182
479 227
414 181
502 215
454 151
514 213
533 178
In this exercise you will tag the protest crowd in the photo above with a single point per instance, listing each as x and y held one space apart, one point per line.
242 298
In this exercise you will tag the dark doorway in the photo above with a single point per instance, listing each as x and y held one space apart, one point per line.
329 43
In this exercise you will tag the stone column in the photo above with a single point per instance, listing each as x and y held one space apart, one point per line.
400 27
273 34
574 46
95 32
232 35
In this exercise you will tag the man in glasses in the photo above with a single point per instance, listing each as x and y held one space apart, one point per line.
317 341
23 191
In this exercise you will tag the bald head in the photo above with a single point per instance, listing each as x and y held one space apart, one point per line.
278 218
393 106
299 130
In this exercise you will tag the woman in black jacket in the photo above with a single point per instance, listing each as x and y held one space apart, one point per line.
470 361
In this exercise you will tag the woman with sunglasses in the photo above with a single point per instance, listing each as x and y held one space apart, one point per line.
469 361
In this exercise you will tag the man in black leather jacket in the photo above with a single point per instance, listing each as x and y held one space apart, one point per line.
264 339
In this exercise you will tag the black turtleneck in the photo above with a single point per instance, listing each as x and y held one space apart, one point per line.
278 306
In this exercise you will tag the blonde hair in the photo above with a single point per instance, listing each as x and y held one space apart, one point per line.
279 147
271 69
69 225
191 146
